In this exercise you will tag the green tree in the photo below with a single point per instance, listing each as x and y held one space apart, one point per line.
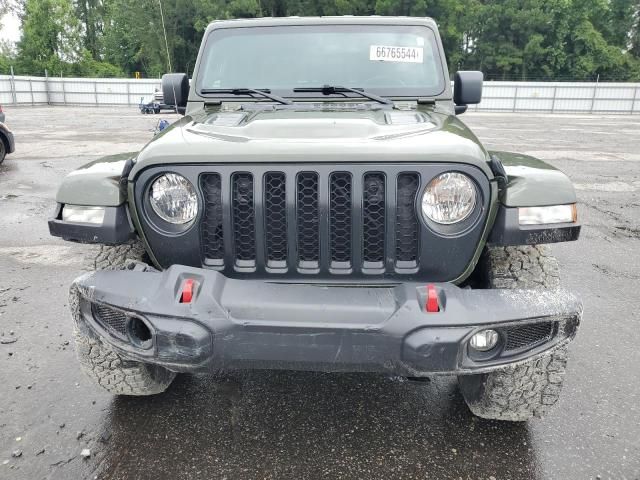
524 39
634 36
7 57
618 22
91 16
506 39
134 36
50 37
588 54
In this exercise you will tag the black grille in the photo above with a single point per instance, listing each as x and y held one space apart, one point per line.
243 218
211 231
352 220
315 222
308 219
406 220
113 320
373 213
275 217
340 217
527 336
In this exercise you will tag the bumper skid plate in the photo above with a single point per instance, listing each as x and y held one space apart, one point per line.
231 323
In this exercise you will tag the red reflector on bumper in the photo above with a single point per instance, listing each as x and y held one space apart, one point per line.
433 305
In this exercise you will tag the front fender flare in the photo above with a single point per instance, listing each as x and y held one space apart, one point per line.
96 183
533 183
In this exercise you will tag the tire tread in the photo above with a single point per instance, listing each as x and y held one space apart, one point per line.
527 389
98 360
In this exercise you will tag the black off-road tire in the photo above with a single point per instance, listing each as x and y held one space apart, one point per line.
518 392
119 257
97 359
529 267
521 391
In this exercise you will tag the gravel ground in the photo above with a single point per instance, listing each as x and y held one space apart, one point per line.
311 425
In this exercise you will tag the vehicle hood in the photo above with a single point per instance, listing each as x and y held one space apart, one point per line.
336 135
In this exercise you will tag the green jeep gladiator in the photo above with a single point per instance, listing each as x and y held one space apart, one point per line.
320 206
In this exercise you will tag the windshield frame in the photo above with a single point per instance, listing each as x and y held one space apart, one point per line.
443 93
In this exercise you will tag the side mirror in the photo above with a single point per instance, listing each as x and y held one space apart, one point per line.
175 90
467 89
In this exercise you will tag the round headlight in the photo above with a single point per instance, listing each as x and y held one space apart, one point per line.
449 198
174 199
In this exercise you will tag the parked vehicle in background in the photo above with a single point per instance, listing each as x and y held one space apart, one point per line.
159 98
7 142
322 207
149 105
154 103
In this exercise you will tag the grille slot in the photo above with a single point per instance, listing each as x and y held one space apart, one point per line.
308 217
243 219
275 215
373 219
340 199
211 230
407 221
527 336
114 321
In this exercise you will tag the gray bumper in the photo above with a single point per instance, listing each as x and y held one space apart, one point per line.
253 324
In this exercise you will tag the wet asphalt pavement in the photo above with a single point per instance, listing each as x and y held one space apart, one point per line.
310 425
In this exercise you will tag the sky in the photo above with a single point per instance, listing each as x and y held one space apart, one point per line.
10 28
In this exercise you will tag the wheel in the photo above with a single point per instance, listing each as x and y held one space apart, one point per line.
521 391
118 257
3 151
98 360
530 266
156 110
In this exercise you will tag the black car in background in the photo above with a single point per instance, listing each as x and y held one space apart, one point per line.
7 143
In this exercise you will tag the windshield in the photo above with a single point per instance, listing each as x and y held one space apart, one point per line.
391 60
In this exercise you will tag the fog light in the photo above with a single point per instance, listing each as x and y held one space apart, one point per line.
484 341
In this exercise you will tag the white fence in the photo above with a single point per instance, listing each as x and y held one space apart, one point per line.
560 97
21 90
542 97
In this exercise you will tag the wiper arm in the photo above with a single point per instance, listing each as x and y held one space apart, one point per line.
333 89
264 92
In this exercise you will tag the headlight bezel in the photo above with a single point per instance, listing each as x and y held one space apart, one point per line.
157 221
461 226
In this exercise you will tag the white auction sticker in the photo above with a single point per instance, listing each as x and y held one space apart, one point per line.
386 53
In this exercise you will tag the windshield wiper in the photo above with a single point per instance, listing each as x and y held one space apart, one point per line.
264 92
333 89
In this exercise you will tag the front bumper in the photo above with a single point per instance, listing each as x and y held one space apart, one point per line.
254 324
